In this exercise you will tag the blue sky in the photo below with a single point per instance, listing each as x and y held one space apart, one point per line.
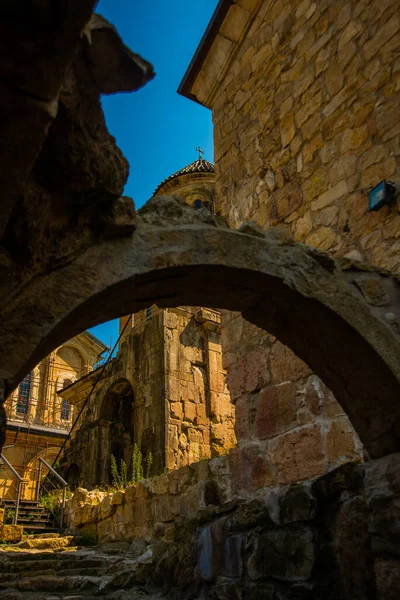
157 130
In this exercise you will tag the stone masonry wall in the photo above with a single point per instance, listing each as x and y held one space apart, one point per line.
169 378
282 409
198 534
199 410
306 120
138 369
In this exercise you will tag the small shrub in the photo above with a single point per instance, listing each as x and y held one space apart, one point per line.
149 462
119 474
137 466
51 502
8 515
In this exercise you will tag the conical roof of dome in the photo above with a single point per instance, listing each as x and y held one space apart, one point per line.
198 166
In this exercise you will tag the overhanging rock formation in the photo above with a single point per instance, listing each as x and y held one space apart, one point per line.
339 318
62 174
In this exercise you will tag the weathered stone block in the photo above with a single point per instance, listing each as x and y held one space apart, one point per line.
228 589
298 454
249 373
276 410
334 193
311 148
315 185
382 488
309 109
285 554
387 573
303 226
107 508
291 504
353 138
288 129
118 498
256 591
373 291
190 411
383 35
323 238
250 467
11 533
285 365
254 513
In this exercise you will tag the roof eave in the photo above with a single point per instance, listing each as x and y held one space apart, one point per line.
203 48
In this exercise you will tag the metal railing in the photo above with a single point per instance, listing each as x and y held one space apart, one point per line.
42 486
18 487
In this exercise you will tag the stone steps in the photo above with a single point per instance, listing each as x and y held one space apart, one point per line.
70 574
33 517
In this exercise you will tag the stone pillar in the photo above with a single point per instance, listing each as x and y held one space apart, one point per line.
48 391
34 394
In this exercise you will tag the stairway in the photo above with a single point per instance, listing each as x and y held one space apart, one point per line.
32 516
72 573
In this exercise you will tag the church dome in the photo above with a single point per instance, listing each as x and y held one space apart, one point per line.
198 166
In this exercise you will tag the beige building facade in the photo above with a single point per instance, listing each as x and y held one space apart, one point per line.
38 418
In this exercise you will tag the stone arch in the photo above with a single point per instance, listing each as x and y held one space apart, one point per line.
177 256
72 358
32 470
116 427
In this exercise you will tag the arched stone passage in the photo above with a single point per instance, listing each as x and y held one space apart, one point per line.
312 304
115 428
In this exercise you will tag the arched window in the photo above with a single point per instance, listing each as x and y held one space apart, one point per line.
24 392
65 405
197 204
65 410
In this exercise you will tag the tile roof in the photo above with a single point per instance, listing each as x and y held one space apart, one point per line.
198 166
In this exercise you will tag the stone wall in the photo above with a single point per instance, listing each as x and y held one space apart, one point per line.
306 120
282 408
127 407
165 391
200 413
332 539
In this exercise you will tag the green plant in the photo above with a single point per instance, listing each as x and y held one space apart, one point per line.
137 466
51 502
149 462
119 474
8 515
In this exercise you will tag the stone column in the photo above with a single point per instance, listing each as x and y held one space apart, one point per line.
34 394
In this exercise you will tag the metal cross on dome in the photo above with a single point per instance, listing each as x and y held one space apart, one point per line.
200 151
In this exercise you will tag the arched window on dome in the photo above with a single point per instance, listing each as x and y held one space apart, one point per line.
198 204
